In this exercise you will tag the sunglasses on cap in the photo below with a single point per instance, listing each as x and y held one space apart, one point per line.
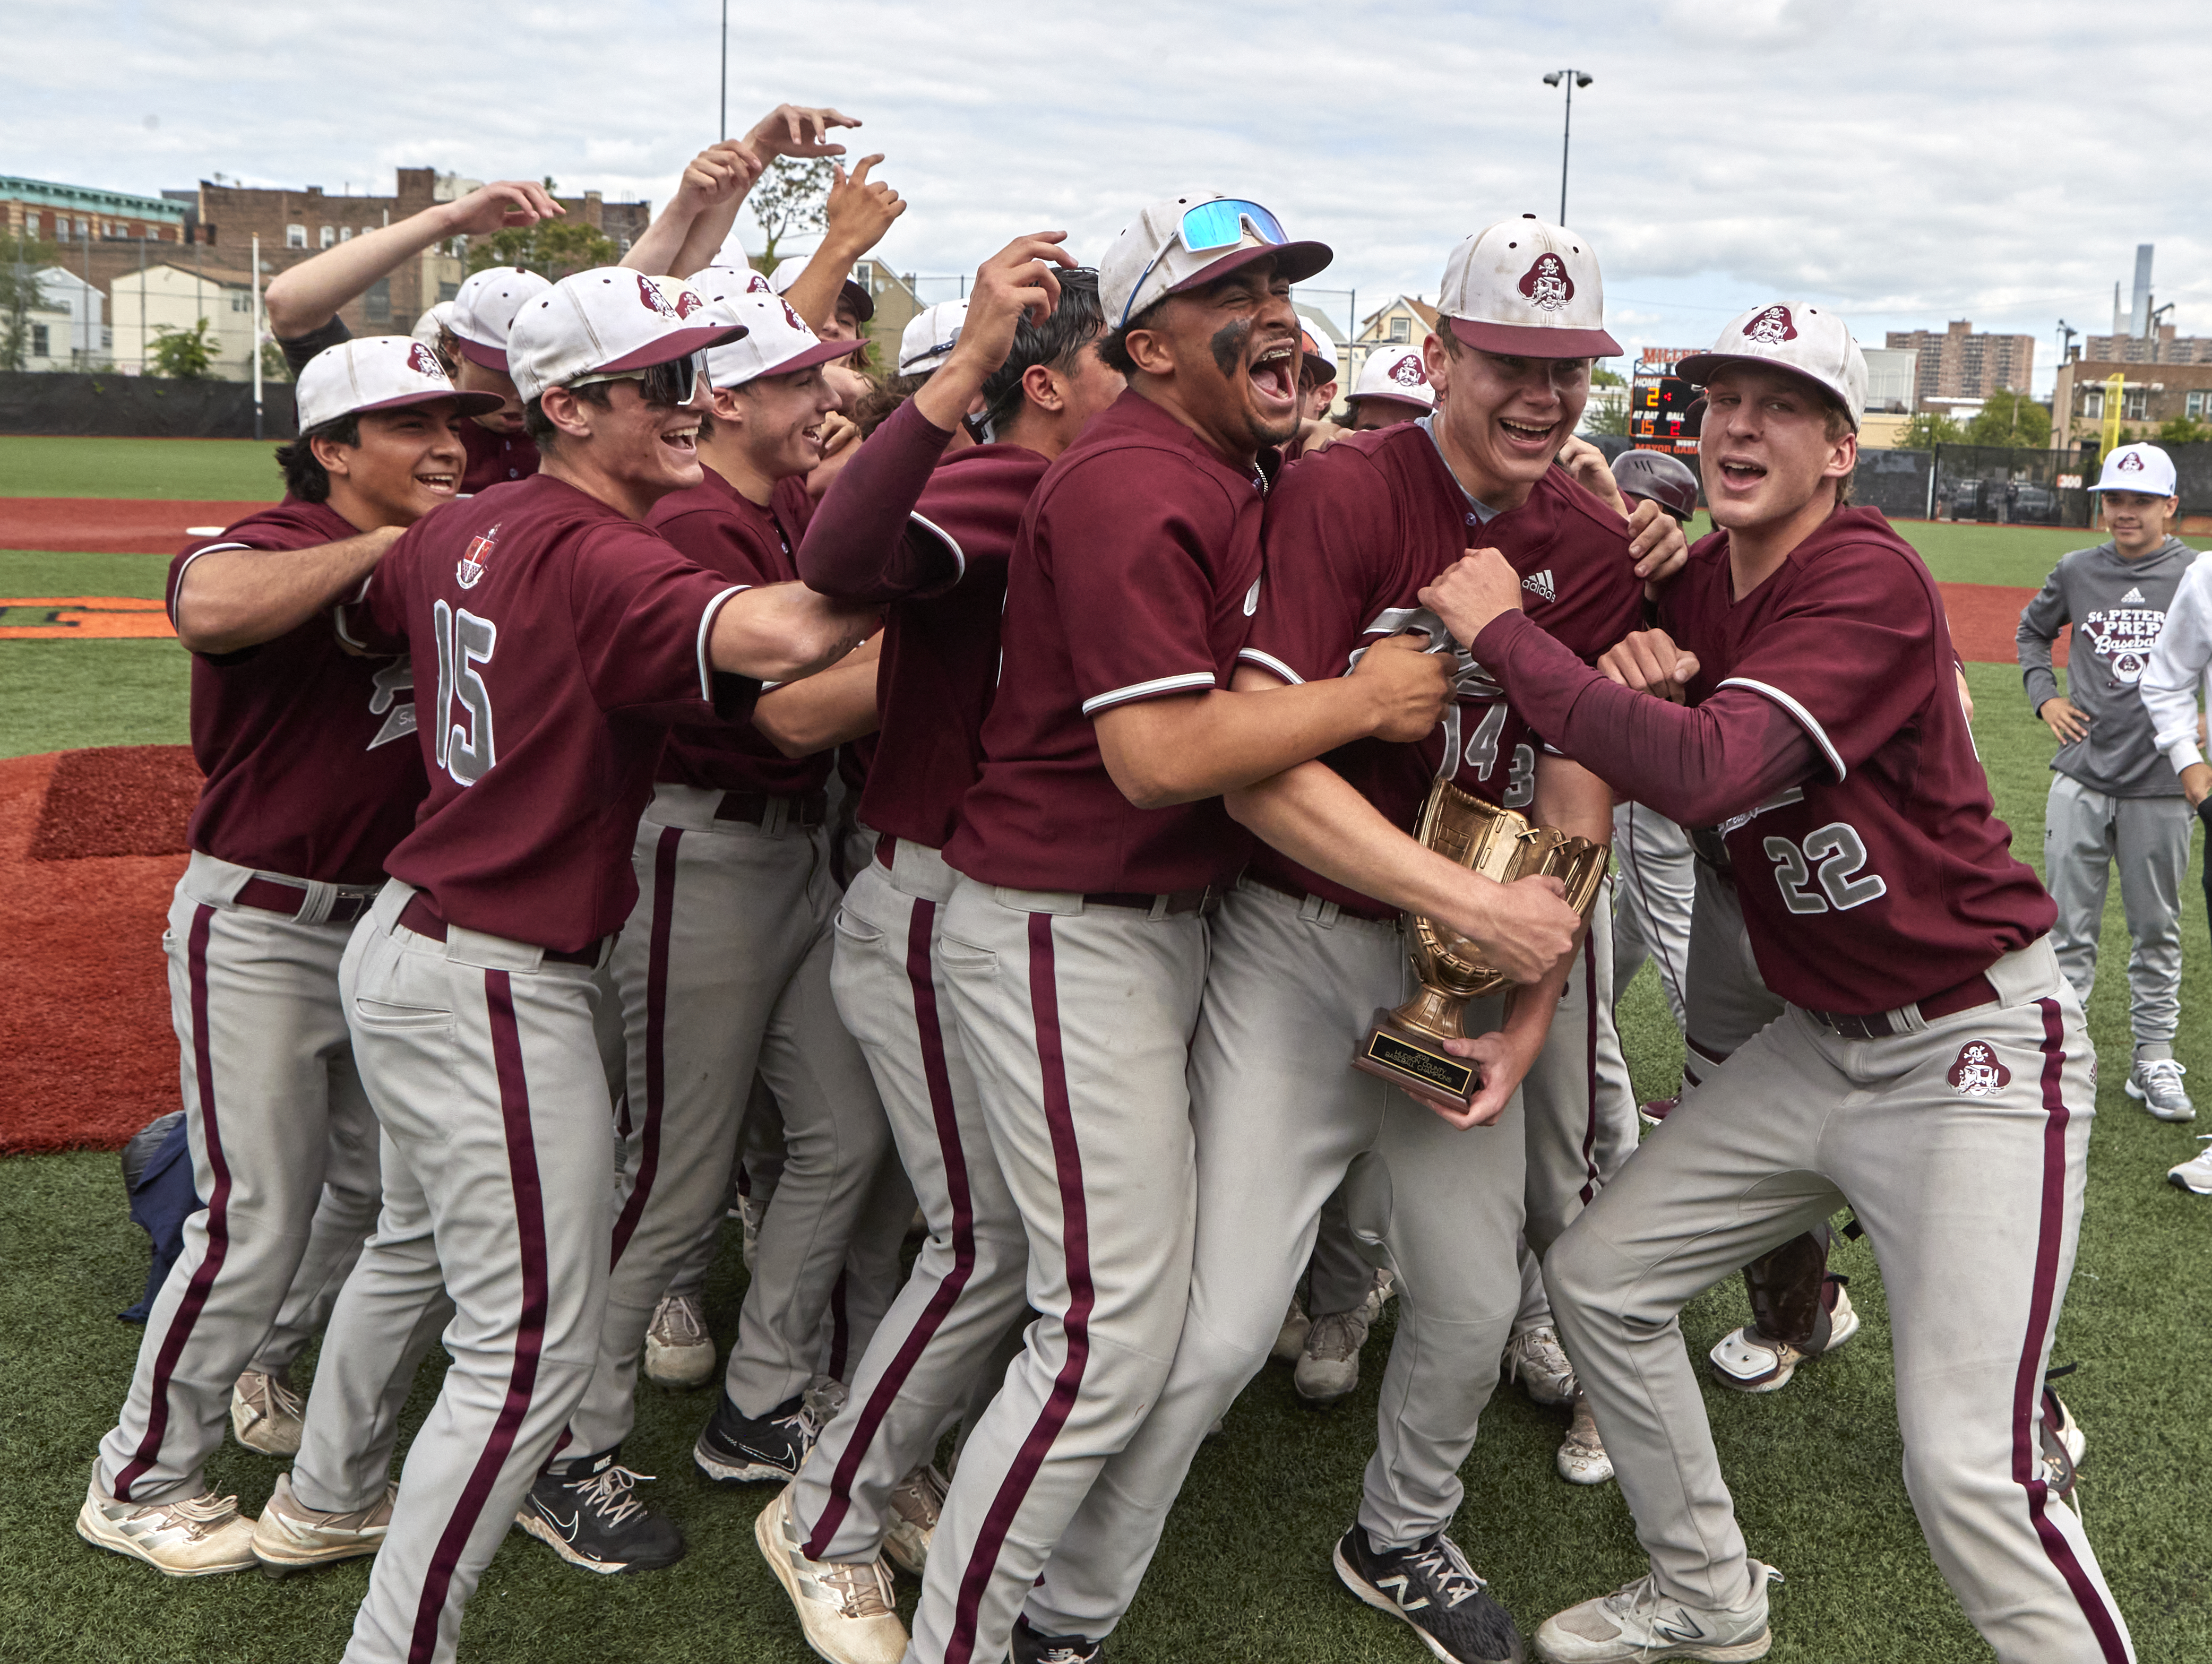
1207 227
671 383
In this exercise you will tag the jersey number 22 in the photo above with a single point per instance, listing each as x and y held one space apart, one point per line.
1834 858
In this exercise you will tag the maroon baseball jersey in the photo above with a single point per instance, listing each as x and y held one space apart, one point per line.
940 656
308 750
494 458
1886 876
1353 534
715 526
566 639
1134 575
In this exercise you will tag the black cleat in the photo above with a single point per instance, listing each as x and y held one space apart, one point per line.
1433 1590
1031 1648
735 1448
583 1511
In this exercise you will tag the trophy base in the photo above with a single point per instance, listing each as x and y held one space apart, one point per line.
1416 1063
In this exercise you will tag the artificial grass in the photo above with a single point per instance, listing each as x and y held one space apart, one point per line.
192 470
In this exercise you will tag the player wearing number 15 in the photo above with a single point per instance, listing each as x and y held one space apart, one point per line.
566 639
1932 1068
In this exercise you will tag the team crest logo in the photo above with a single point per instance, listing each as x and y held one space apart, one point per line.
1772 327
758 284
687 303
790 317
2123 638
470 570
1410 372
1978 1074
650 297
423 363
1547 283
2131 463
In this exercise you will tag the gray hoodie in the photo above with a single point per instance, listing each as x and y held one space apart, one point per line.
2117 608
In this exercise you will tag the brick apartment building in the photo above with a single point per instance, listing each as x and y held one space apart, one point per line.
2150 395
1958 363
2164 348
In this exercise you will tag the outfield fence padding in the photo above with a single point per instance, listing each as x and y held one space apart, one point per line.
141 407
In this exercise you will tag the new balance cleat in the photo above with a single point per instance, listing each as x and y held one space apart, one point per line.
844 1608
735 1448
1581 1459
584 1510
678 1351
2155 1084
182 1536
916 1504
1539 1363
289 1536
1034 1646
1329 1367
1635 1623
265 1413
1432 1589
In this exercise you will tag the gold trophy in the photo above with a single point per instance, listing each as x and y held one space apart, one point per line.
1405 1046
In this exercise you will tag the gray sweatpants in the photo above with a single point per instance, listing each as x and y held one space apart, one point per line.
479 1057
1076 1020
2084 833
1962 1146
1651 915
968 1284
284 1151
1279 1114
723 968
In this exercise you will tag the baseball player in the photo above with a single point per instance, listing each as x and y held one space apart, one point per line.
1300 954
311 778
567 639
724 969
1393 387
1933 1069
2113 797
1316 374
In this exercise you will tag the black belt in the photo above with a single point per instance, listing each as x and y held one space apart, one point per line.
1370 911
419 916
1201 901
272 895
1976 990
753 808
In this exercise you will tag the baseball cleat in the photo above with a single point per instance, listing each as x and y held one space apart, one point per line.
1290 1338
825 1398
844 1608
1652 1111
1748 1361
582 1509
265 1413
1386 1284
2062 1443
678 1351
289 1536
1329 1367
735 1448
2195 1174
1539 1363
915 1504
1035 1647
1636 1622
1431 1589
184 1536
2155 1084
1581 1459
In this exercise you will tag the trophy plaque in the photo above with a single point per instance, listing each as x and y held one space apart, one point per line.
1405 1046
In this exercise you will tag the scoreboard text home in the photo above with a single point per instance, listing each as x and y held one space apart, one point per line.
1659 401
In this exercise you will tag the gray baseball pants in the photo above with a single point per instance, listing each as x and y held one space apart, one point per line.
1657 880
968 1284
1581 1110
2085 833
277 1124
478 1055
724 969
1076 1021
1962 1146
1279 1115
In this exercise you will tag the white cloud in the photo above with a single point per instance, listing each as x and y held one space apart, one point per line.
1905 164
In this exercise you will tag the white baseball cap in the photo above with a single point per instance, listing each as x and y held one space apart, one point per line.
930 336
1805 340
377 373
1195 239
772 340
788 271
607 318
1528 289
2142 468
1398 373
483 311
431 324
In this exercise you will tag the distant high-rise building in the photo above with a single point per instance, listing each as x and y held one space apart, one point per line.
1958 363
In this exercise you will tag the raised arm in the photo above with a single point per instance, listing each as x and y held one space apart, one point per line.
861 211
228 599
720 175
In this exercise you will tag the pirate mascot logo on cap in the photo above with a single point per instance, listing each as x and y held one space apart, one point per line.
1772 327
1547 284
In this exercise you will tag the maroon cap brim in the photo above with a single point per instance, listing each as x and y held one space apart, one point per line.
492 358
820 353
1534 341
470 404
1699 368
676 343
1294 262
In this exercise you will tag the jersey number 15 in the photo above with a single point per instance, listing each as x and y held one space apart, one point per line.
464 642
1832 859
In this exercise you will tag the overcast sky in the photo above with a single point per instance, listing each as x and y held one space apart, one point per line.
1905 163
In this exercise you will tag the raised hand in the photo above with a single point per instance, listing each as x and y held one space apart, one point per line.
797 129
502 205
1019 281
719 173
860 209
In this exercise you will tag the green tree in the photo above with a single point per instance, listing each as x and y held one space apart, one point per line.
791 199
21 257
2183 430
1928 430
552 248
1606 413
183 354
1604 378
2013 419
273 365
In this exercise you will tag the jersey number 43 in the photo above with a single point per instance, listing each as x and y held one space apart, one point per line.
1827 870
465 749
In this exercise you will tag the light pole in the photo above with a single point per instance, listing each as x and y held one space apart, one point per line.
725 69
1571 79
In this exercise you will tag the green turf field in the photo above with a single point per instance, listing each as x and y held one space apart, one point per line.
1244 1573
195 469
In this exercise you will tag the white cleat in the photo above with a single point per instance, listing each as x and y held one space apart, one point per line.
289 1536
845 1611
916 1504
2195 1174
265 1413
1635 1623
184 1536
1539 1363
2155 1084
1386 1284
678 1351
1290 1338
1581 1459
1329 1367
1745 1360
